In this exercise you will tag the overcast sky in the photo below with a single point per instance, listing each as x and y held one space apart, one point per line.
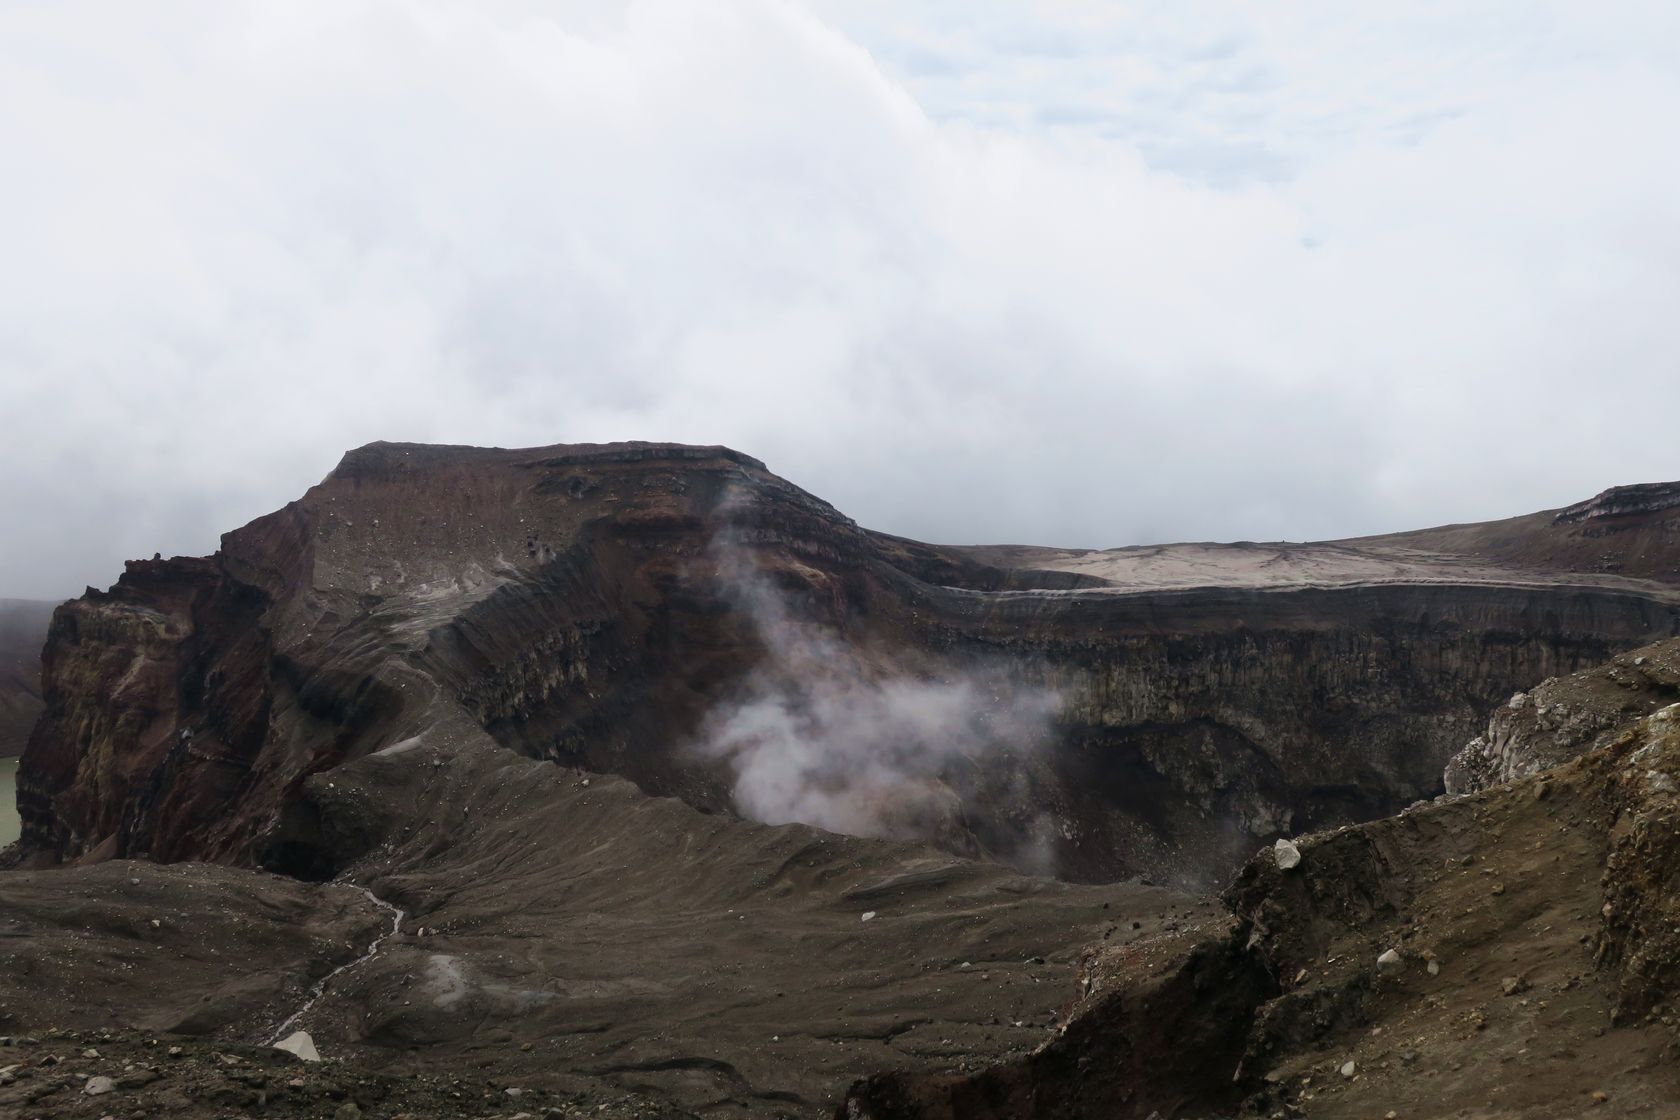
1072 273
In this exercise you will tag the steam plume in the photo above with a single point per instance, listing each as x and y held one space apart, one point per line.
826 734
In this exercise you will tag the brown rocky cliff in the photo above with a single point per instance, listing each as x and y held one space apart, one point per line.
1626 530
1623 501
567 601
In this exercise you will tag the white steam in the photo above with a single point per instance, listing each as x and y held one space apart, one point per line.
827 734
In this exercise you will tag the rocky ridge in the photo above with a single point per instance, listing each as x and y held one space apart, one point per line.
575 604
1623 501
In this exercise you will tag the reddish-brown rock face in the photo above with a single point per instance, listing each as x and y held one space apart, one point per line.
157 699
683 617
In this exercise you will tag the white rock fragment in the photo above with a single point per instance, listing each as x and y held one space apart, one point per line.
868 915
1286 854
299 1045
99 1086
1347 1069
1389 962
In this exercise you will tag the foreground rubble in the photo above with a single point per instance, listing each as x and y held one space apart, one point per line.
71 1074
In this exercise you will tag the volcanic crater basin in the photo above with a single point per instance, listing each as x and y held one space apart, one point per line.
600 606
473 682
568 935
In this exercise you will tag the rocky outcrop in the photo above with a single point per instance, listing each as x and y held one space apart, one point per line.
23 630
1640 937
1564 717
1474 948
1627 531
1623 501
1158 1031
601 605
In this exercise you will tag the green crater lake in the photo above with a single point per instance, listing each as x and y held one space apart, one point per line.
8 801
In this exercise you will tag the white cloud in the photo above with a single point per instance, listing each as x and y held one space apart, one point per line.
1093 279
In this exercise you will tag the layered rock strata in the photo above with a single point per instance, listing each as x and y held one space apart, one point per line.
594 606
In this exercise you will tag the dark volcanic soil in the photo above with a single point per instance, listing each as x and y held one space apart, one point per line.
48 1074
567 933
